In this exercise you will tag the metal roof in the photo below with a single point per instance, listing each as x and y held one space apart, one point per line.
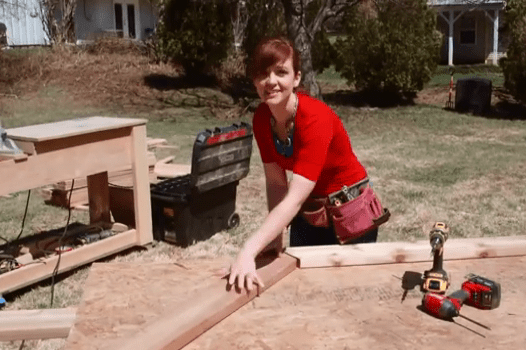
464 2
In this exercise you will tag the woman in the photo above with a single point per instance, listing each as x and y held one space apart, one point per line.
298 133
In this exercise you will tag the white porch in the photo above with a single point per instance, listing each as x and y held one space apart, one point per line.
471 28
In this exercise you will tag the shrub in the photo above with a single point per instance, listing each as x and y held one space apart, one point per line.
195 34
514 65
395 51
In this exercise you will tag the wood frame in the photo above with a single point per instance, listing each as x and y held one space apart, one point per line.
402 252
36 324
179 327
89 147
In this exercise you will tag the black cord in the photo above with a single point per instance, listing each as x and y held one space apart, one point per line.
25 214
55 270
23 221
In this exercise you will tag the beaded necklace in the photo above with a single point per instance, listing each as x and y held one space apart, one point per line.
285 148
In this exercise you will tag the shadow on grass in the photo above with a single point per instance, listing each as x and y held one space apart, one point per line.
164 82
360 99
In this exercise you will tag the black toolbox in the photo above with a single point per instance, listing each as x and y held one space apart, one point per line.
193 207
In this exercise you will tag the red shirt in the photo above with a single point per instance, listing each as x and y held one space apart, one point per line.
322 147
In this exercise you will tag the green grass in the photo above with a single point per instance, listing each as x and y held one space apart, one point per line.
442 76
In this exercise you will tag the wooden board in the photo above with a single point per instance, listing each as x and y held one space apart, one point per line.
396 252
67 128
44 268
36 324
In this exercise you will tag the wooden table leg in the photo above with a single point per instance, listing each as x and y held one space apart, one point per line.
141 186
99 198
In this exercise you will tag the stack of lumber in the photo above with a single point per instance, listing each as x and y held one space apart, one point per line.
63 195
60 192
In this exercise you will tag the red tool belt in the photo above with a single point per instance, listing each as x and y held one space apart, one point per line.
351 211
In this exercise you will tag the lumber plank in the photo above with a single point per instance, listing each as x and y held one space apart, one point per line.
153 143
68 128
36 324
26 276
403 252
185 323
171 170
65 163
15 157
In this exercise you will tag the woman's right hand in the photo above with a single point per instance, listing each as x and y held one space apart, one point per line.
243 273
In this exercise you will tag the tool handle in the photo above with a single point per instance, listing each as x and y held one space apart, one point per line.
461 295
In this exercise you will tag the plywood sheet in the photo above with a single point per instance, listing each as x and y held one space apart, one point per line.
73 127
324 308
360 308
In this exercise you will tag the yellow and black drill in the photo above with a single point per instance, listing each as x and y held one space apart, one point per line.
436 280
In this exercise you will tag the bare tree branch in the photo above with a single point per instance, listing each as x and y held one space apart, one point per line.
63 29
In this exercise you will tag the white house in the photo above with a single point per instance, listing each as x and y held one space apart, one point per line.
472 30
136 19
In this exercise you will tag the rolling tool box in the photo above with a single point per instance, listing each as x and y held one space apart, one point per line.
192 207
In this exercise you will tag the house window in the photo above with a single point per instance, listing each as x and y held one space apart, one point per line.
468 30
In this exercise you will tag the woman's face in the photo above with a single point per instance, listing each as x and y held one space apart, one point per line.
275 86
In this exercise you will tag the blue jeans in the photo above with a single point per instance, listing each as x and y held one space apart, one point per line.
303 234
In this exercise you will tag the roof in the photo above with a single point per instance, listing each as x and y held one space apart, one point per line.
463 2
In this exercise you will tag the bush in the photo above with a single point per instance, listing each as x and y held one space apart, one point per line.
195 34
394 51
514 65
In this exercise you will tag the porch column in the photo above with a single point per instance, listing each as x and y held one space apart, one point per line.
451 24
496 37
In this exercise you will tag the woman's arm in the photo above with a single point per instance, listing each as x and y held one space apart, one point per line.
243 270
276 183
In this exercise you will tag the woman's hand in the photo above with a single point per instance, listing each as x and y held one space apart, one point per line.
243 270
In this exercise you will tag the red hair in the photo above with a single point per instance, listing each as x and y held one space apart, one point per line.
270 51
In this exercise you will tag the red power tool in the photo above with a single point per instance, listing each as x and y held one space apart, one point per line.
477 291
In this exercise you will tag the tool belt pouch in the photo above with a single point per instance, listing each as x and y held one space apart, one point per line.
354 218
314 211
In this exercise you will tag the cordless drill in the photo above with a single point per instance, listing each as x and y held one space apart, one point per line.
436 280
476 291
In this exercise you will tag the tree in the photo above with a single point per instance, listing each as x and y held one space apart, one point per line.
514 64
61 28
195 33
302 30
395 51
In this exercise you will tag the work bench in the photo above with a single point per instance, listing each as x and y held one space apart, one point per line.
70 149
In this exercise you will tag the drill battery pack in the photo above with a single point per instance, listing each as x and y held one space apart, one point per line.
193 207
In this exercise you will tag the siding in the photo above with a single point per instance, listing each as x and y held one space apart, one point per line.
22 22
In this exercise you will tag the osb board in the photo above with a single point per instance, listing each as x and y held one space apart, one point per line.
120 298
360 308
325 308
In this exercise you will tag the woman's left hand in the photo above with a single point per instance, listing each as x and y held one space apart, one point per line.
243 270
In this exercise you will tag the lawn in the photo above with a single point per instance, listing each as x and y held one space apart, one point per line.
426 163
